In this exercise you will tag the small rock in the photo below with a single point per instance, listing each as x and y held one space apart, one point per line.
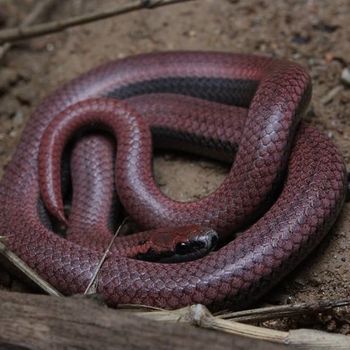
345 76
328 57
192 33
18 118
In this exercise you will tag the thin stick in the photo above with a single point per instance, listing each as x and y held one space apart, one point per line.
199 315
273 312
242 329
104 256
302 338
21 266
13 34
331 94
38 10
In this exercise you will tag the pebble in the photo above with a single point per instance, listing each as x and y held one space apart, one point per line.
192 33
18 118
50 47
345 76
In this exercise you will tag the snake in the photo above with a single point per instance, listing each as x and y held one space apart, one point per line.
88 147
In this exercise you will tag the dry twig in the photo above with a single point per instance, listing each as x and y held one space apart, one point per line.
198 315
273 312
89 289
24 269
19 33
331 94
38 10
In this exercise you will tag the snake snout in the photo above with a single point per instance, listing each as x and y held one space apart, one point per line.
209 240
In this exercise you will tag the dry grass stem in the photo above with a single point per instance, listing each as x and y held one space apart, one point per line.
273 312
90 288
23 268
39 9
19 33
199 315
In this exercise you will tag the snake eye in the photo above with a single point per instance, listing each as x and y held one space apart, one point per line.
184 248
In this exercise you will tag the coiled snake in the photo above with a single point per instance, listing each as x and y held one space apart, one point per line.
284 191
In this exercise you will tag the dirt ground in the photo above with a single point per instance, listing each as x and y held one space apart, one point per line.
315 34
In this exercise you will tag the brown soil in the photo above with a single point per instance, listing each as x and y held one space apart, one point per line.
314 33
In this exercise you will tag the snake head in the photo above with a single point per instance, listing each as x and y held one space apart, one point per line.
179 244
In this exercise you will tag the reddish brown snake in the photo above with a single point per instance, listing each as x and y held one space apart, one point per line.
284 190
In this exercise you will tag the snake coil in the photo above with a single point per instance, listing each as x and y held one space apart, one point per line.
285 188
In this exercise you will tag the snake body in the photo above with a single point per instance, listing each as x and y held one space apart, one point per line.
284 191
